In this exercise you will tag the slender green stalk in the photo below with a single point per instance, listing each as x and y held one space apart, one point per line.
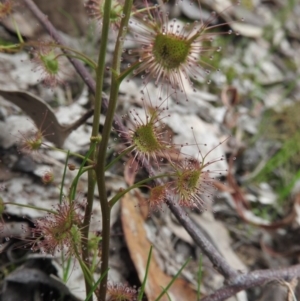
165 290
88 277
142 289
81 170
95 130
111 163
31 207
118 196
101 68
89 62
100 167
88 297
61 192
66 268
88 209
71 153
77 54
86 226
128 70
18 31
199 277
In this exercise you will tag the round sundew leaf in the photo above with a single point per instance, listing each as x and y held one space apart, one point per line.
145 139
51 63
170 51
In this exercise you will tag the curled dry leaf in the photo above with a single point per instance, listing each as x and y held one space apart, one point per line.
43 115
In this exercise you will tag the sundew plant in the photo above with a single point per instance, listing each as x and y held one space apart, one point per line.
169 53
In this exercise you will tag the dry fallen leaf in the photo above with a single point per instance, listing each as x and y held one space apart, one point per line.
43 115
139 247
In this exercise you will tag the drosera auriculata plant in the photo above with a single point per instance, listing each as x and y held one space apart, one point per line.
33 141
48 177
47 60
116 292
6 8
60 229
146 136
169 52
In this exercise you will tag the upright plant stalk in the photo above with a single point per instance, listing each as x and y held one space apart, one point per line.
101 160
86 226
236 281
95 134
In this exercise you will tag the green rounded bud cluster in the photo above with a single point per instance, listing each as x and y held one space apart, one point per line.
157 196
146 140
116 11
170 51
33 143
188 181
50 62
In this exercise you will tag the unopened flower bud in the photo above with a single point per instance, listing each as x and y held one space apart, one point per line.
71 166
48 177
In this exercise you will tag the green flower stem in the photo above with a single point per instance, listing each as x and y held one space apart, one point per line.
71 154
165 290
142 289
108 166
88 210
81 170
88 297
142 10
100 167
117 197
18 31
95 129
81 57
88 277
86 226
128 71
12 47
31 207
61 190
101 68
87 168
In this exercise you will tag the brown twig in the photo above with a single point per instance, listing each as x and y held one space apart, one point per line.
255 278
82 71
